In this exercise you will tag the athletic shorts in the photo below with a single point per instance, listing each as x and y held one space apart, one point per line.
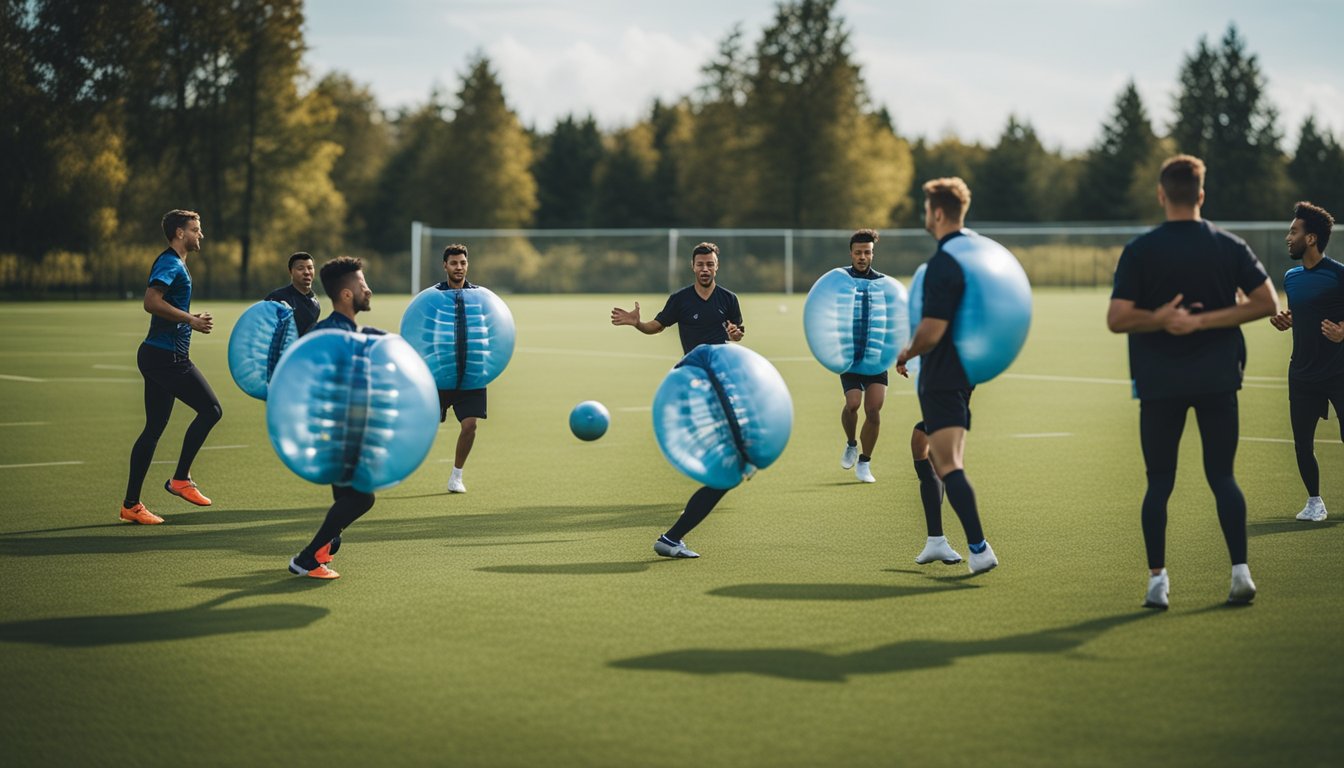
850 381
466 403
943 408
1316 395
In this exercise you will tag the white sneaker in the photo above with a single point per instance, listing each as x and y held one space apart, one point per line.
455 485
1158 587
864 471
937 548
850 456
1314 511
1243 589
985 561
672 550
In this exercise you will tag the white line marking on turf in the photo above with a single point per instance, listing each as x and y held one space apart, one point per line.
26 424
220 447
93 380
8 377
41 464
1045 434
636 408
1282 440
1067 379
108 367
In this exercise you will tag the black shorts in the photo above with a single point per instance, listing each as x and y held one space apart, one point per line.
1315 395
944 408
466 403
850 381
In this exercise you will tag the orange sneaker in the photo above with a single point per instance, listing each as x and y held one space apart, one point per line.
325 553
138 514
186 489
320 572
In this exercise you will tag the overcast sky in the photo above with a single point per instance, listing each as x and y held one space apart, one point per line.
951 67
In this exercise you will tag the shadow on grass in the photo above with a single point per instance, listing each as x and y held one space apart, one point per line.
204 620
573 569
830 591
903 656
268 532
1270 527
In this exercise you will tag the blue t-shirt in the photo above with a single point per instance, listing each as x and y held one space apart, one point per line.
1314 295
701 320
170 271
944 286
1207 266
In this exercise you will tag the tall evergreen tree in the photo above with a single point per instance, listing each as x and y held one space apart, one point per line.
1124 152
365 140
566 173
626 192
1012 183
1317 169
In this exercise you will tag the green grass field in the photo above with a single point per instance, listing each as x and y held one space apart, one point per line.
528 622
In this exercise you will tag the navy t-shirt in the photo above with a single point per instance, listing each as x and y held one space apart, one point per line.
444 286
871 274
1206 265
1314 295
305 305
944 286
339 322
701 320
170 271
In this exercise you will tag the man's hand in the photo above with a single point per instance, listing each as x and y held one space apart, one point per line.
901 359
203 322
734 332
622 317
1333 331
1282 321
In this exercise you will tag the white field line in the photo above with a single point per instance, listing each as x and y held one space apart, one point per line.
1283 440
26 424
9 377
41 464
109 367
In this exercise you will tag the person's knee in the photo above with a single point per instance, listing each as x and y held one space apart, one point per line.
1161 482
468 427
873 414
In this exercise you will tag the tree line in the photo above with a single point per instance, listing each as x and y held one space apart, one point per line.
115 112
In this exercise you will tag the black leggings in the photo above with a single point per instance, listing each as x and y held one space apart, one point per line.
1161 423
1305 408
170 377
349 506
701 503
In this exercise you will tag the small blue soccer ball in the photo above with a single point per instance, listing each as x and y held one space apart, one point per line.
589 420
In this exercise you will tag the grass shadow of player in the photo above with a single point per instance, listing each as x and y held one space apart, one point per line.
839 592
281 534
1270 527
903 656
206 619
573 569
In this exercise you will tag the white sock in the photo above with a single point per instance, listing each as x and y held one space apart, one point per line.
1315 500
937 539
1242 570
457 473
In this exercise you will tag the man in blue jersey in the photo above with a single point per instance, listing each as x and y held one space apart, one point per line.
1176 295
166 366
868 392
1316 316
299 293
343 281
944 389
468 404
707 314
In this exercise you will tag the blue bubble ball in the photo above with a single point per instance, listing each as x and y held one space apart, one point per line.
991 324
465 335
256 344
589 420
855 325
721 414
352 409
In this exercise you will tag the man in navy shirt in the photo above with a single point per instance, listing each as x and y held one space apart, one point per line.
944 389
299 293
1175 295
468 404
708 314
1316 316
166 366
343 281
868 392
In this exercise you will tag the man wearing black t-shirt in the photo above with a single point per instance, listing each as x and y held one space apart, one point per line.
299 293
468 404
707 314
1315 315
868 392
944 389
1175 295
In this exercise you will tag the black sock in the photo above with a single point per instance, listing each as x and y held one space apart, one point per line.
851 443
962 496
865 457
931 494
698 508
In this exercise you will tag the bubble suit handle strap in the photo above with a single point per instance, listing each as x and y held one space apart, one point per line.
357 406
703 362
279 339
460 310
861 320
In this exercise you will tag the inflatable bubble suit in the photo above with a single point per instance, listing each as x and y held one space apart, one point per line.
721 414
855 325
352 409
995 313
258 341
465 335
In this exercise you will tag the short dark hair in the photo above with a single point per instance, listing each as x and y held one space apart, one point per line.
704 248
1182 179
455 248
336 274
1315 221
177 219
299 256
949 195
863 236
